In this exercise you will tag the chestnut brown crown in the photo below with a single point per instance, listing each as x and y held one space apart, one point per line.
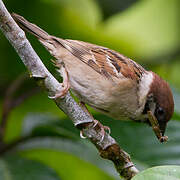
163 99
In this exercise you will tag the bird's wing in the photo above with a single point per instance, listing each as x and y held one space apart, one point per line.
107 62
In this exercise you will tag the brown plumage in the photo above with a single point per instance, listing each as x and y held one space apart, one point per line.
107 80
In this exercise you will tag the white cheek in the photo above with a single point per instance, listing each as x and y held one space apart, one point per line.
144 87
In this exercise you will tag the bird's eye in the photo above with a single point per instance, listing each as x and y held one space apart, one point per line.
160 111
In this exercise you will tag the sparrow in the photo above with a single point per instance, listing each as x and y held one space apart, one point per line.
108 81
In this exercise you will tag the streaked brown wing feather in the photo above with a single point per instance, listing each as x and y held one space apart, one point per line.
104 61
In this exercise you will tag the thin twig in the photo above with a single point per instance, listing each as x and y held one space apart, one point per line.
7 103
108 148
10 102
9 95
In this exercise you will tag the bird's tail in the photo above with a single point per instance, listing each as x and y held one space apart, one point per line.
32 28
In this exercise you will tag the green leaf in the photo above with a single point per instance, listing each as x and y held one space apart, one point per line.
86 11
38 124
176 95
13 167
159 173
83 149
150 26
38 103
66 165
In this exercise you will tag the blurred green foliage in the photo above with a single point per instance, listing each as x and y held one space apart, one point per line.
162 172
43 142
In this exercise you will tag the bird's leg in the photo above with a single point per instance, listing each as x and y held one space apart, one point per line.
65 85
96 123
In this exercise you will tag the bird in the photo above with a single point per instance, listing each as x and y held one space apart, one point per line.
108 81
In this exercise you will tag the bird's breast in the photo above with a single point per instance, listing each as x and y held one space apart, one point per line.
115 97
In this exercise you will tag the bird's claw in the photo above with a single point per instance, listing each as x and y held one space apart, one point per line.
81 135
65 85
103 129
102 132
62 93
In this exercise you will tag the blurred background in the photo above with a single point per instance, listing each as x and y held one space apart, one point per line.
37 140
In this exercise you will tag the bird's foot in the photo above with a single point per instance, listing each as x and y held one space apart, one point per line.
65 85
103 129
96 124
102 132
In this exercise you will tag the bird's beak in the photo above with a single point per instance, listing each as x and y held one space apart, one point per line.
158 129
162 127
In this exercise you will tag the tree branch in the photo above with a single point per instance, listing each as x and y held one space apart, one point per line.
107 147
